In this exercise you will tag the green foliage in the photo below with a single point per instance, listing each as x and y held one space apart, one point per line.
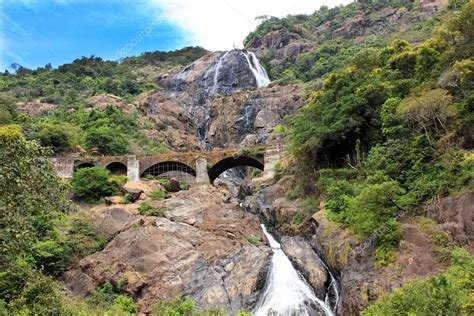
58 137
107 297
279 129
252 239
7 109
158 194
94 183
449 293
147 209
122 283
106 140
35 238
89 76
382 134
293 194
183 306
183 185
278 169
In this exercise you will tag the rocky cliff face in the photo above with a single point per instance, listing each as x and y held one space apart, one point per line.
216 102
200 248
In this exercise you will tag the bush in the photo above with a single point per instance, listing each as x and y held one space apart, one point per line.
107 297
293 194
449 293
183 306
183 185
124 304
93 183
158 194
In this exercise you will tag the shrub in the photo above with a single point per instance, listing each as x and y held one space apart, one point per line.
94 183
449 293
147 209
158 194
183 185
293 194
124 304
278 169
177 306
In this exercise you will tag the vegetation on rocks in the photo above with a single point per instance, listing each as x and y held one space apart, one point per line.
93 183
449 293
147 209
391 131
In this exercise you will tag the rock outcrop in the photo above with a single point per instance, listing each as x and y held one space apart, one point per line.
198 249
456 217
218 73
305 259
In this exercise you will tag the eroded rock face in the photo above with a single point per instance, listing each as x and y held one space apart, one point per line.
218 73
199 249
248 117
456 217
307 262
280 45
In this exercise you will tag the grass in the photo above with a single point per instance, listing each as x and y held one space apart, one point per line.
147 209
158 194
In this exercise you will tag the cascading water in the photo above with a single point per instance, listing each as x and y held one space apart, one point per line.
216 71
286 292
261 76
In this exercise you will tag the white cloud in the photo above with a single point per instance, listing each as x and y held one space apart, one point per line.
221 24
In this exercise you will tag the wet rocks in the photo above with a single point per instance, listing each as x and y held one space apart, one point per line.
307 262
219 73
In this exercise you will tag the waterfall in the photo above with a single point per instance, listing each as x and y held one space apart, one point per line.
286 292
261 76
216 71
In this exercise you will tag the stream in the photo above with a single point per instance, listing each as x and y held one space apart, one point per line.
286 291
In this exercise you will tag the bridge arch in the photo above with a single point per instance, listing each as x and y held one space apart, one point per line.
232 162
117 168
170 169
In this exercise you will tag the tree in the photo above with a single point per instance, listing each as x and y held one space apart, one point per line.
94 183
58 137
431 111
7 109
32 198
106 140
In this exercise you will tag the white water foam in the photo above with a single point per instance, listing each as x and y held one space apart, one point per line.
286 293
261 76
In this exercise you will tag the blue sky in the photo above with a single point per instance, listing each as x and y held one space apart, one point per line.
36 32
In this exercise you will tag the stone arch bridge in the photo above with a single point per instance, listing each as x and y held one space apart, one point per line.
205 166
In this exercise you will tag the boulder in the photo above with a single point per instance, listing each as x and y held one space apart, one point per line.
307 262
112 200
133 193
172 185
456 216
